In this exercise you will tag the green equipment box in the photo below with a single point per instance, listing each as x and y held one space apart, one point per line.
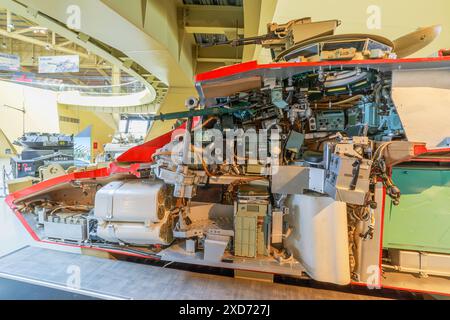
422 220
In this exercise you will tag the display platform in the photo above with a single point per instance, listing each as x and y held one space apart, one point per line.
104 279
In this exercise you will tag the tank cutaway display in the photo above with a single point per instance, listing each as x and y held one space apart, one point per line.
290 168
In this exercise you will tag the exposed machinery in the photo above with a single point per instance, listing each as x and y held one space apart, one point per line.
51 171
42 149
119 144
303 40
279 169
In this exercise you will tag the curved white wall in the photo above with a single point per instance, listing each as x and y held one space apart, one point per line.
77 98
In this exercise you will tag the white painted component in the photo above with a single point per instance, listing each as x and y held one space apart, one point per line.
317 179
132 233
130 201
422 99
190 246
215 246
67 231
290 179
319 237
425 114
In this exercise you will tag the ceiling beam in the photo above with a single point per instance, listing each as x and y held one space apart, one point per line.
65 43
226 52
213 30
9 24
77 81
220 60
40 43
202 9
30 29
103 73
28 64
213 19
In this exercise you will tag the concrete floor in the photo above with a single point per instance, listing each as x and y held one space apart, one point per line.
19 290
124 280
13 236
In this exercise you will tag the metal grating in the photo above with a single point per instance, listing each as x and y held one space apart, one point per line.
237 3
202 38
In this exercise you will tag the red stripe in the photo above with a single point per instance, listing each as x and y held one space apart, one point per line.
253 65
380 261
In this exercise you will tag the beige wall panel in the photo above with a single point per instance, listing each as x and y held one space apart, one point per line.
41 114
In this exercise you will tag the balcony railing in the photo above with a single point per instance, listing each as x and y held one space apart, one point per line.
133 86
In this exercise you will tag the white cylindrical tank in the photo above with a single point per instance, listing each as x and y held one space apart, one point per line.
135 233
131 201
319 238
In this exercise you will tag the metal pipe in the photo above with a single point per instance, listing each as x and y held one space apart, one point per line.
415 270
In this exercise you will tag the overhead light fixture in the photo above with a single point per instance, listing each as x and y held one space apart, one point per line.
11 26
4 46
48 47
41 30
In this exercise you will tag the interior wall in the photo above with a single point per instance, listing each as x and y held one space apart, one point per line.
159 20
102 132
252 16
41 113
7 149
266 15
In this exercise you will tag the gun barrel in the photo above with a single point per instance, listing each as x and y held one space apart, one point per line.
241 41
214 111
